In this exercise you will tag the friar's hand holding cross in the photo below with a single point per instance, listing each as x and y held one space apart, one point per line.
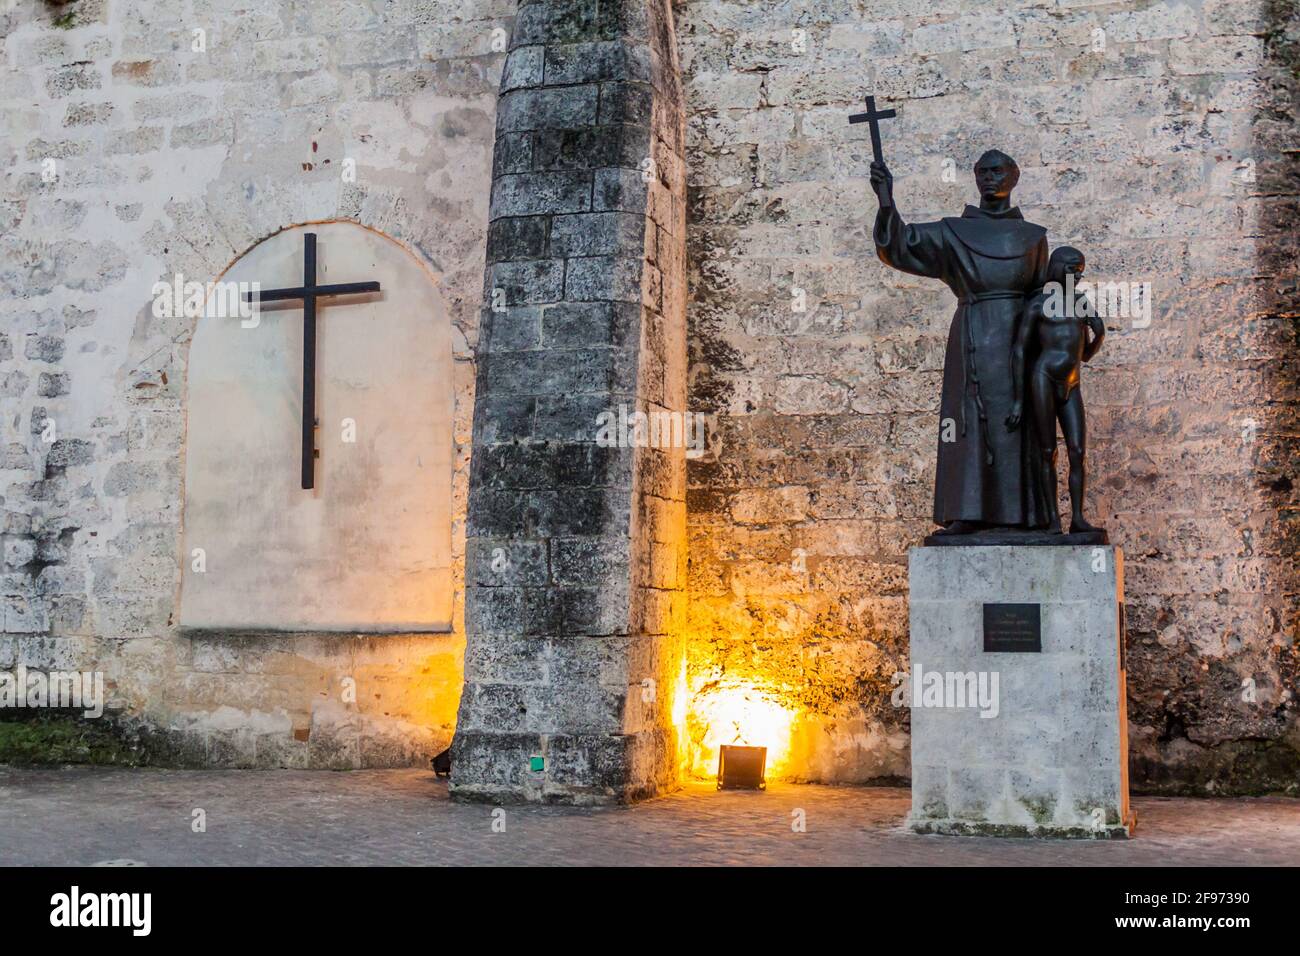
882 181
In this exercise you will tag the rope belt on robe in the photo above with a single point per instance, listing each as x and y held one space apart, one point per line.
971 372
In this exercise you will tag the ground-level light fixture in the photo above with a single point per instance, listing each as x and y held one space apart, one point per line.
742 768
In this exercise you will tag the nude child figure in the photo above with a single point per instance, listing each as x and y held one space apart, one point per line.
1057 324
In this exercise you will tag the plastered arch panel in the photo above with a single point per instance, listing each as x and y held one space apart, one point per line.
368 549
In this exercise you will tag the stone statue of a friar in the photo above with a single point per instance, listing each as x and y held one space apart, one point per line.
993 261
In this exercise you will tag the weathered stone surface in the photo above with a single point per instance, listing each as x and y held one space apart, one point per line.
1144 140
160 160
564 629
1159 137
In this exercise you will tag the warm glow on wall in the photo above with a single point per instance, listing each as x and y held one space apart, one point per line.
738 714
681 697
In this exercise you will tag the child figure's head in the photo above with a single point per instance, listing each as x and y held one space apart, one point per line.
1064 259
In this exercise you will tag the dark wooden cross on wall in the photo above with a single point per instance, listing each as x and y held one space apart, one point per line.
309 292
873 117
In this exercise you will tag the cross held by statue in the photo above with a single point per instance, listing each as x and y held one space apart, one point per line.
872 118
309 292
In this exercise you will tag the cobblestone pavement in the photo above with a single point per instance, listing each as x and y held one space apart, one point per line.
78 816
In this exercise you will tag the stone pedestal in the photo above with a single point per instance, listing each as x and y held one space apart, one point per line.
1018 742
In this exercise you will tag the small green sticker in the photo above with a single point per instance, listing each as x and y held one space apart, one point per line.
536 764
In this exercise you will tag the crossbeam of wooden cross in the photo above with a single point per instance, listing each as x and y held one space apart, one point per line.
873 117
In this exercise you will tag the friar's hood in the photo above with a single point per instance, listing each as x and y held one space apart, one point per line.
997 235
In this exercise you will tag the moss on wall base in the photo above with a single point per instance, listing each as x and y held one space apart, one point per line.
1237 768
61 739
57 738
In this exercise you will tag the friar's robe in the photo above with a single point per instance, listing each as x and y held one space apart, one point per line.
992 262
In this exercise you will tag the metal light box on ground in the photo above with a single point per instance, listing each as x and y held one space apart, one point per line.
742 768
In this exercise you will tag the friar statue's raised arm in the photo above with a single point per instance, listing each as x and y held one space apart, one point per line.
992 260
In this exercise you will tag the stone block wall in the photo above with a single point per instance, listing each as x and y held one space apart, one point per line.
1158 137
141 140
145 139
576 549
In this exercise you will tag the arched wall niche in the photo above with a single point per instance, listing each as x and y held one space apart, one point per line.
368 548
